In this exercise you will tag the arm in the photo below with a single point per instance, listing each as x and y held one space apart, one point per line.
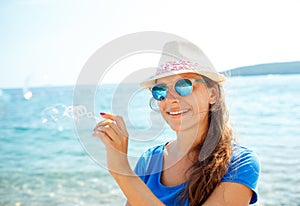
136 191
114 136
229 194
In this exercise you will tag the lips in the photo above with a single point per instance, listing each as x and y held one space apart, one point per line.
177 112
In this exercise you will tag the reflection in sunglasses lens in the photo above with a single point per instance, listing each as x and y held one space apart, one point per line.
160 92
183 87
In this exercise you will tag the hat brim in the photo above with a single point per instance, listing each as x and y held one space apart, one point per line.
217 77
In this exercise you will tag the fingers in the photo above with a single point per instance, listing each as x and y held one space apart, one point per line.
105 128
109 128
113 133
113 127
118 120
103 137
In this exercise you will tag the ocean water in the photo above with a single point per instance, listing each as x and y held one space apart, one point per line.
47 158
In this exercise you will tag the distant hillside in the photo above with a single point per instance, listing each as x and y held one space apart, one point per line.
264 69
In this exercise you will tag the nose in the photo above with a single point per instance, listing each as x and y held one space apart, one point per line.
172 96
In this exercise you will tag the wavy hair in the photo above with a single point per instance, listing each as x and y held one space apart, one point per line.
214 153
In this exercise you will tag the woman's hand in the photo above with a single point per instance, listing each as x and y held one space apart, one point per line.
113 133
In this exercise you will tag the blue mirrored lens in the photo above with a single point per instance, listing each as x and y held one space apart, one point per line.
159 92
184 87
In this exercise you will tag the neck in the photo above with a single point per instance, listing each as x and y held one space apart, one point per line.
187 140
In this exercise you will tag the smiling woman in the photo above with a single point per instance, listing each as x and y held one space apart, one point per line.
191 96
203 165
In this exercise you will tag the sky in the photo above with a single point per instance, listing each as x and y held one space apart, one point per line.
47 42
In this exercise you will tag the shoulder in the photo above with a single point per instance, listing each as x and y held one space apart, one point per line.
152 151
244 159
244 168
149 161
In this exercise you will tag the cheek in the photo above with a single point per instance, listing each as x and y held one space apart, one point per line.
200 102
161 105
162 108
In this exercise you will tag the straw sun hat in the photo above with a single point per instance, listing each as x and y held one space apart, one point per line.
183 57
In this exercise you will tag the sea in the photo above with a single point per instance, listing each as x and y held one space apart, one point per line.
48 155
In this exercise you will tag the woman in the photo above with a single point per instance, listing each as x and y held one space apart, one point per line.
202 166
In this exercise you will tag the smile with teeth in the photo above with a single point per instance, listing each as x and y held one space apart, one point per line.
178 112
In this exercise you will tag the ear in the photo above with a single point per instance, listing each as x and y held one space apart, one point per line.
213 95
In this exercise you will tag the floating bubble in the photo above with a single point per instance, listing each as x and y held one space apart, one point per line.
61 115
55 115
60 128
35 79
90 115
69 111
27 94
78 112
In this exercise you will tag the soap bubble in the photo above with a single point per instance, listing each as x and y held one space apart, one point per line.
61 115
35 79
27 94
78 112
55 115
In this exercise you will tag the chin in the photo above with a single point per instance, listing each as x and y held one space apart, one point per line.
175 127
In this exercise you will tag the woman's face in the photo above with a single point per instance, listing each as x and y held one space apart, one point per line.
186 112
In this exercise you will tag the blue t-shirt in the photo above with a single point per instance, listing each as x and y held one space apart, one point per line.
244 168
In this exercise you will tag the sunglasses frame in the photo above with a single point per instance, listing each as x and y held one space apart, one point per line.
192 80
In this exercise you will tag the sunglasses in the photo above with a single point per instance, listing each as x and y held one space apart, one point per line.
183 87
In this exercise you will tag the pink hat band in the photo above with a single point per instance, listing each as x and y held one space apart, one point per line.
178 65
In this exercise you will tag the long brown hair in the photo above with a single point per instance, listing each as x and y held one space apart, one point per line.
214 153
